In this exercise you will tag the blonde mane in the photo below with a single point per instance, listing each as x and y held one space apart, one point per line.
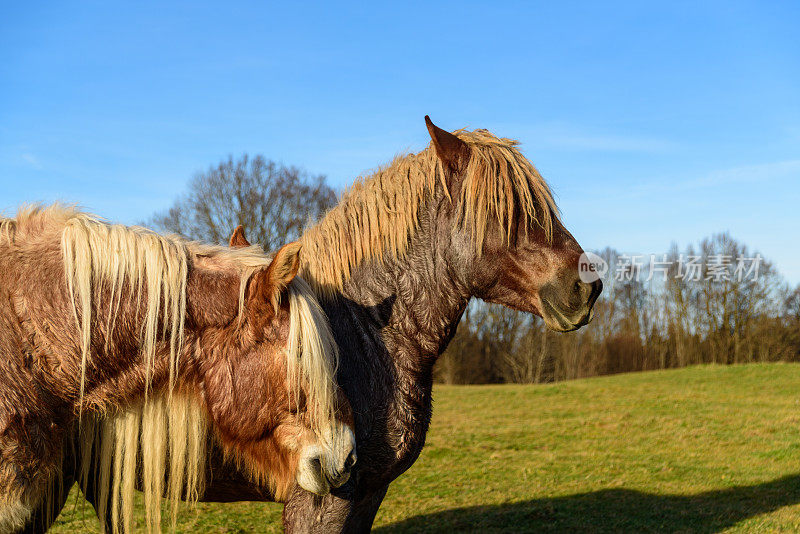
380 213
166 431
8 228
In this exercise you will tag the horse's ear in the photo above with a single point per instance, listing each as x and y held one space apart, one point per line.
267 284
238 240
285 265
453 152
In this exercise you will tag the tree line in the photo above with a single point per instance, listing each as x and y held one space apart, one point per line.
718 302
641 322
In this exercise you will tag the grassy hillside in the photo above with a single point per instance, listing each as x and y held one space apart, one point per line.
703 449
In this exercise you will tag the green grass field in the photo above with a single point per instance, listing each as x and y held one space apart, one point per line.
704 449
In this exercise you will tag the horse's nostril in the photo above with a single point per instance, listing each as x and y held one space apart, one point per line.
351 461
316 464
577 287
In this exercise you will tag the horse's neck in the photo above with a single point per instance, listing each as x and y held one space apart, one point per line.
405 310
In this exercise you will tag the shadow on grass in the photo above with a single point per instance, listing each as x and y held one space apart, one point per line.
614 510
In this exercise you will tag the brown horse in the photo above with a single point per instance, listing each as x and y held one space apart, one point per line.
395 265
150 344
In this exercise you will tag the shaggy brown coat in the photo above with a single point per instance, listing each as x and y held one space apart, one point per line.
74 346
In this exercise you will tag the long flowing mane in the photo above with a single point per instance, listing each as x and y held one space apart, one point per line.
167 430
379 213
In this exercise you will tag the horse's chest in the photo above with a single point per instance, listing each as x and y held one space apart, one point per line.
407 435
391 443
408 450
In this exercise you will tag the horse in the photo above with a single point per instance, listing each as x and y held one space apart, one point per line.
395 265
147 348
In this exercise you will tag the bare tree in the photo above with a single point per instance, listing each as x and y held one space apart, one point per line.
792 305
272 202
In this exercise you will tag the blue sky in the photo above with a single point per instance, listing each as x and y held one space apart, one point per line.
652 123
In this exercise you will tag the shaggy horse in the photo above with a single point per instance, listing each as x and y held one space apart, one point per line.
141 344
395 265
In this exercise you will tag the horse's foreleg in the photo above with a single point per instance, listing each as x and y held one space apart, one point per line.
31 431
305 512
31 493
31 457
363 513
338 512
50 507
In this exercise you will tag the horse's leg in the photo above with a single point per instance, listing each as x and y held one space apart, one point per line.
308 513
363 513
48 510
29 474
305 512
31 438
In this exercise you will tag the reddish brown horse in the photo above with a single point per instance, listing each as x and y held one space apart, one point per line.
153 344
